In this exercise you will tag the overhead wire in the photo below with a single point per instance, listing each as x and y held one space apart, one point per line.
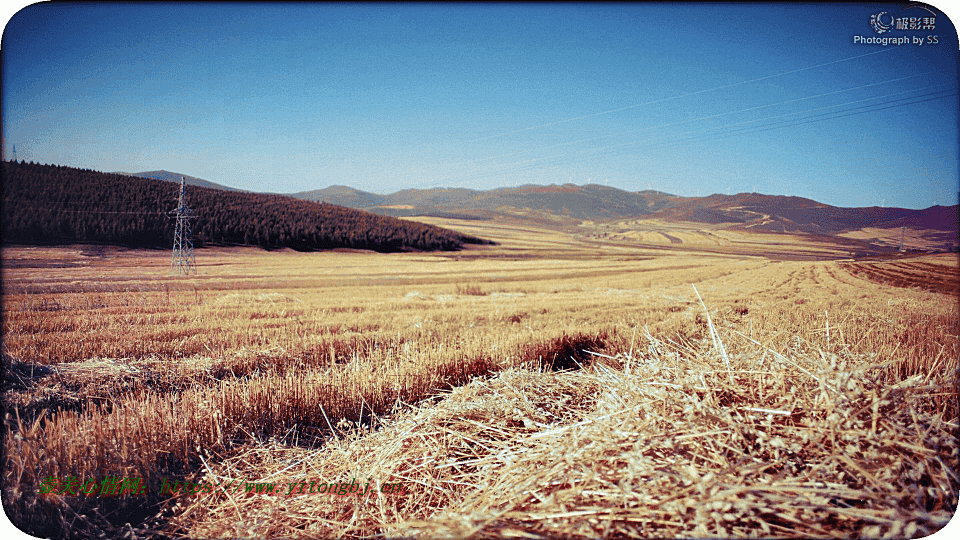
709 117
848 112
724 131
679 96
548 162
544 162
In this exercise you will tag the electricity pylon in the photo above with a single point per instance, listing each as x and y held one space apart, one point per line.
184 261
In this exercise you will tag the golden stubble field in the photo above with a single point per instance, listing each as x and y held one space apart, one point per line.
552 384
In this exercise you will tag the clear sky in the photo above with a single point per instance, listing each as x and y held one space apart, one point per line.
691 99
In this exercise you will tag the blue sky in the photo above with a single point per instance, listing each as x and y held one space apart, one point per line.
684 98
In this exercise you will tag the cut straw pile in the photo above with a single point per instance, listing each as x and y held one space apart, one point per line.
663 442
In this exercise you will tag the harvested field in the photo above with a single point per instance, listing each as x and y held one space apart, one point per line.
550 385
927 273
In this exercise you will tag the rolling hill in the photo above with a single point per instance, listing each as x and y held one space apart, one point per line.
581 202
797 214
50 204
344 196
771 213
175 177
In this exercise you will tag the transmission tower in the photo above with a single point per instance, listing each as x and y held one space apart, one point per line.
14 152
184 261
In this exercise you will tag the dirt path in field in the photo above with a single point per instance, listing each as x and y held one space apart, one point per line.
672 239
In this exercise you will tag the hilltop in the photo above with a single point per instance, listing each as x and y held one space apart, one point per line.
582 202
50 204
743 211
175 177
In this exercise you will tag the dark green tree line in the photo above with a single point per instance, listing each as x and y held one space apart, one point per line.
51 204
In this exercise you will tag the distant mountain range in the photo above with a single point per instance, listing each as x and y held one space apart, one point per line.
775 213
753 211
591 202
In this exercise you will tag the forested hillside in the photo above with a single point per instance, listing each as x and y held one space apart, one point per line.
50 204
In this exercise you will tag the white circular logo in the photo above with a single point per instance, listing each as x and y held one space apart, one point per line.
881 22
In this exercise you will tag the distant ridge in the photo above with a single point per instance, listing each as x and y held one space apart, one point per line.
342 195
581 202
778 213
175 177
754 211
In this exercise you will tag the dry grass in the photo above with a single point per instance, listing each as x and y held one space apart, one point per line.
778 399
663 442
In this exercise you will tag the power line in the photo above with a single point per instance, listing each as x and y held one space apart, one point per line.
795 100
549 161
836 114
874 108
661 100
53 206
65 211
710 117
